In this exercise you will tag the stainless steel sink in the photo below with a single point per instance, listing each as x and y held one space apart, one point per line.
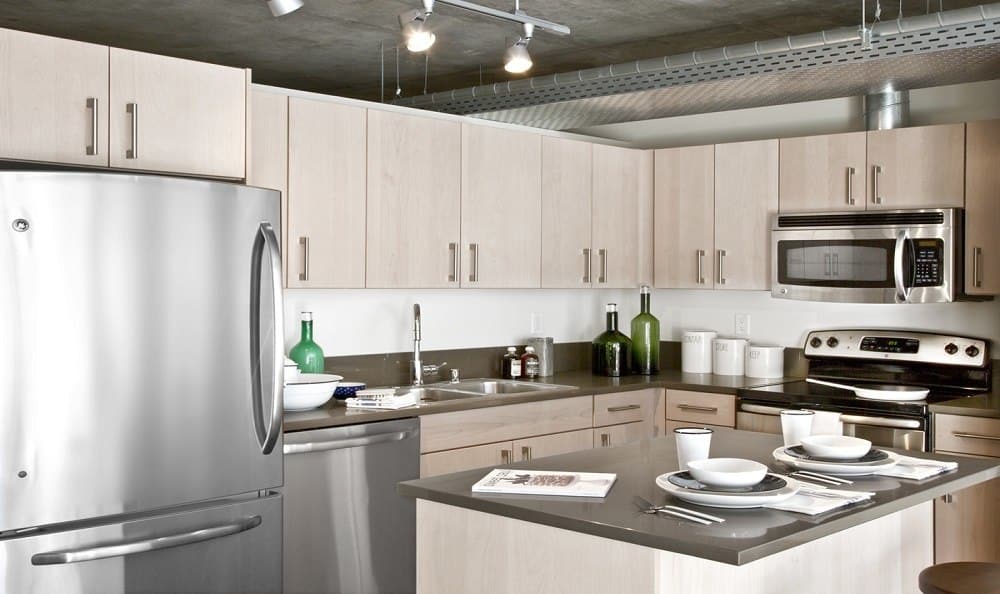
471 388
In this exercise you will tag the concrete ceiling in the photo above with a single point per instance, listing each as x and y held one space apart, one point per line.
332 46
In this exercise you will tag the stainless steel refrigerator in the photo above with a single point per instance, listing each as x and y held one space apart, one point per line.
140 381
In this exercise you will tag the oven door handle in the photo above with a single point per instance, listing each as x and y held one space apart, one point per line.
762 410
902 291
881 422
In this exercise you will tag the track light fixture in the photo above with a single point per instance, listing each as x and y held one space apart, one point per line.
517 59
283 7
414 26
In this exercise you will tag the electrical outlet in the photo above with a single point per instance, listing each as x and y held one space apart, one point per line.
536 323
742 325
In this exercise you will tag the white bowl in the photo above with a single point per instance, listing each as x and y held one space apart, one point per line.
837 447
727 472
309 390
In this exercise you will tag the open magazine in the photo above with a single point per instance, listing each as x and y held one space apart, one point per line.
546 482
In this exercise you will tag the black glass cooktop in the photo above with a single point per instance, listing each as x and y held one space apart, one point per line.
802 394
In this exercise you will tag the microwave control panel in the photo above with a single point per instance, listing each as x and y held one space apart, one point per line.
929 264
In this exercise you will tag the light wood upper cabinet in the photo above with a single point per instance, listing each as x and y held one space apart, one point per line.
746 197
414 201
822 173
501 208
567 257
326 195
920 167
267 154
185 117
49 91
684 212
622 205
982 208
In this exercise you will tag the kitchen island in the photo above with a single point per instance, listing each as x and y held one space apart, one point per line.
478 543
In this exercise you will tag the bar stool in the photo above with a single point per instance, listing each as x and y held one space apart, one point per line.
961 578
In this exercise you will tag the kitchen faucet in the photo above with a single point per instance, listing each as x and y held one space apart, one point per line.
417 366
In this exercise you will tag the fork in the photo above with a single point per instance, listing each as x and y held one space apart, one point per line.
679 512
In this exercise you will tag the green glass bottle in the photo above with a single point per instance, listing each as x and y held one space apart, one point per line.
645 338
307 353
611 350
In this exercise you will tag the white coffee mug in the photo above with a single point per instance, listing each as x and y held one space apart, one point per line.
693 443
796 424
729 356
696 351
765 361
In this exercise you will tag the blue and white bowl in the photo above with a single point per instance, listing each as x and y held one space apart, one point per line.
347 390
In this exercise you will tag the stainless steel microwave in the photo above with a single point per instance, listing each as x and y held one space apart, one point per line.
892 256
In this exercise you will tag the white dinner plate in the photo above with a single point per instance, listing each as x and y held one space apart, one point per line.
837 468
727 500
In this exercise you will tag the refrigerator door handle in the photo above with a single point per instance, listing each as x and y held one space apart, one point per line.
132 547
267 435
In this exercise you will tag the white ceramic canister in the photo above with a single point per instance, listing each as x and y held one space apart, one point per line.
696 351
765 361
729 356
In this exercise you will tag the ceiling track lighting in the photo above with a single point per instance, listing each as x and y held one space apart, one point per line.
413 24
283 7
516 59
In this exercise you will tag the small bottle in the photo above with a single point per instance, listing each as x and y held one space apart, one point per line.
511 364
611 350
530 365
645 338
307 354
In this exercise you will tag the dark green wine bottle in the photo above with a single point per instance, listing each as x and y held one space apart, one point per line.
611 350
307 353
645 338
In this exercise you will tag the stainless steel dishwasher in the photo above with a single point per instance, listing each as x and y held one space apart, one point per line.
346 529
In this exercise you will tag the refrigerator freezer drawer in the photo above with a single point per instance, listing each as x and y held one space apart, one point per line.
225 548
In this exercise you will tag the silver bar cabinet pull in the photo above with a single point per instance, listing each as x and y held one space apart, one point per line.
92 106
603 254
700 255
453 254
876 173
976 436
133 110
526 452
977 256
605 440
586 265
304 242
711 409
624 407
850 186
474 274
505 456
722 259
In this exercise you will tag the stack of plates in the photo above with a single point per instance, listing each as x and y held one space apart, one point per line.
772 489
874 461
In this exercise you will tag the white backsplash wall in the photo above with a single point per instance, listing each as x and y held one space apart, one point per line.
355 322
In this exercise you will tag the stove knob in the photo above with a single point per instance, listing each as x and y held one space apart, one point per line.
972 351
832 342
815 342
951 348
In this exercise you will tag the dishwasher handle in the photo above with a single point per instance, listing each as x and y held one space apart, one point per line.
348 442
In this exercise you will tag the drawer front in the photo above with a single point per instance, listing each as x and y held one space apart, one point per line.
624 407
701 407
967 435
553 445
447 431
617 435
491 454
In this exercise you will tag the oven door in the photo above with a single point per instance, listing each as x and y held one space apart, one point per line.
888 432
865 264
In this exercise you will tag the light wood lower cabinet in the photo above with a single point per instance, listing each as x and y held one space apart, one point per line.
684 211
823 173
52 93
626 407
553 445
481 456
917 167
979 436
982 208
618 435
701 407
567 257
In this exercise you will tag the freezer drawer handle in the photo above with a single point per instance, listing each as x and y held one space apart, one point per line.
132 547
351 442
267 435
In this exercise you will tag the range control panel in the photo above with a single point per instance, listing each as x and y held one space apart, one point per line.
898 345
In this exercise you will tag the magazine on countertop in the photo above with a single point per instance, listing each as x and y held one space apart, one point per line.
546 482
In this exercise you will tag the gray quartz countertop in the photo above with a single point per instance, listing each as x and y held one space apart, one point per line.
982 405
581 383
745 536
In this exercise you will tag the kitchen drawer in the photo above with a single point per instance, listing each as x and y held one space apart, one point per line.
624 407
553 445
491 454
701 407
967 435
447 431
617 435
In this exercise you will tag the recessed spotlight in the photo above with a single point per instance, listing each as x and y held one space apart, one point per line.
283 7
413 24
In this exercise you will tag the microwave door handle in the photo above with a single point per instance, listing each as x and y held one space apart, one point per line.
902 292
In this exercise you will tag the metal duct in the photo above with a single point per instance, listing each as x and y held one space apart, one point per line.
887 110
915 52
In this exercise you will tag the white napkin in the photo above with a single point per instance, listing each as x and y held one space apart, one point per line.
917 468
814 500
827 423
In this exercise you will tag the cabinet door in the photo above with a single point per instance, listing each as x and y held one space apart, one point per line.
920 167
326 195
567 260
501 208
982 208
414 201
618 435
967 524
622 189
701 407
481 456
186 117
53 92
684 210
746 197
822 173
267 164
553 445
